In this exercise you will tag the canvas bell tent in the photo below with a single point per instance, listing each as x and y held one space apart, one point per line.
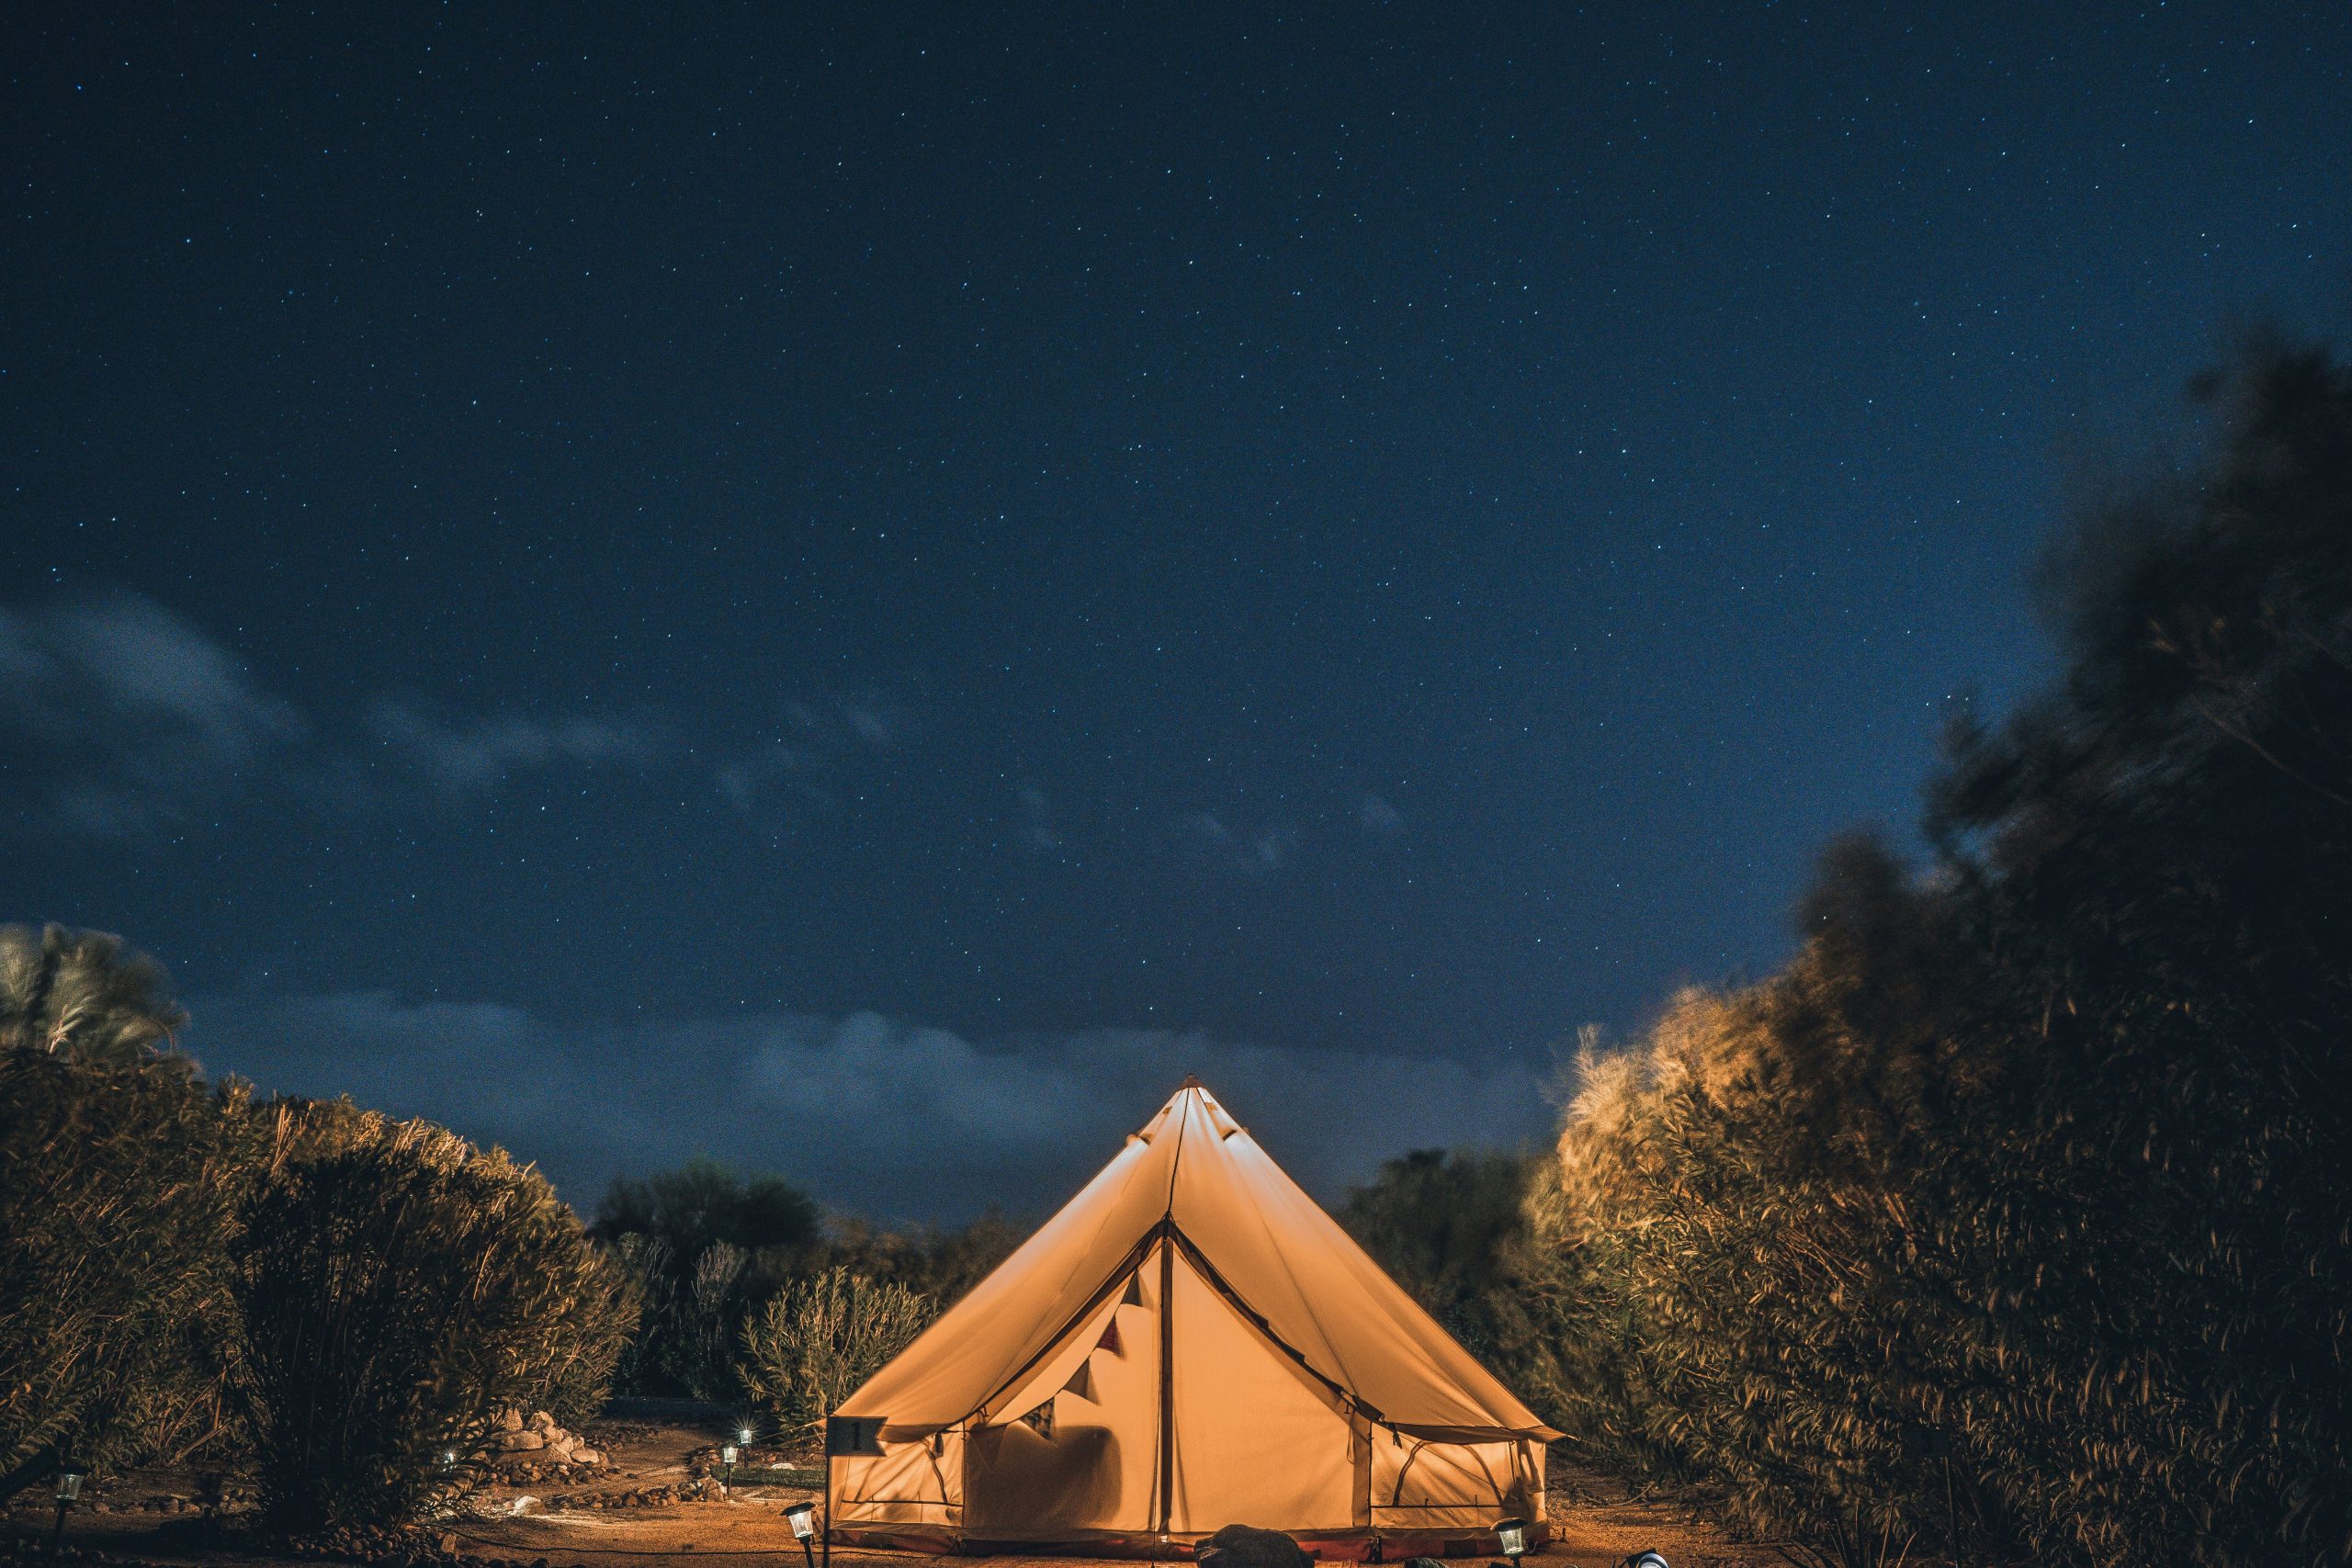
1190 1343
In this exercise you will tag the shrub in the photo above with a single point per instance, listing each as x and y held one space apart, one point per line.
819 1337
697 1352
2009 1220
398 1288
117 1188
1452 1229
701 1244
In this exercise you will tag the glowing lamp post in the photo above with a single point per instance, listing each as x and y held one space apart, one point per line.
1512 1536
1647 1559
804 1528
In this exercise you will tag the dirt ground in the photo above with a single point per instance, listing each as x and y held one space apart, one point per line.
150 1516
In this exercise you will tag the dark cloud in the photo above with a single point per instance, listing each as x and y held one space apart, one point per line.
118 717
869 1112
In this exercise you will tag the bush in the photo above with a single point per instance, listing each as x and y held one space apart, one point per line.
118 1199
2009 1220
701 1245
1454 1230
398 1289
819 1337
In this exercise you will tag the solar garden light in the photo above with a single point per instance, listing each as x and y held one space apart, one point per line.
804 1527
70 1472
1647 1559
1512 1534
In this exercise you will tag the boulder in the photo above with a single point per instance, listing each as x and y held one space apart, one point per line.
510 1421
522 1442
586 1456
1238 1546
541 1421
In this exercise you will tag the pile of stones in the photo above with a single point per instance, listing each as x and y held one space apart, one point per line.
534 1445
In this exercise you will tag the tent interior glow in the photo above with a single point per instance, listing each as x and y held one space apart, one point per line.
1190 1341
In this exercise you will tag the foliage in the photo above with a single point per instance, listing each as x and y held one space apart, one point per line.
821 1337
398 1289
936 1262
585 1383
706 1249
701 1245
2011 1218
1452 1229
82 995
117 1186
702 1202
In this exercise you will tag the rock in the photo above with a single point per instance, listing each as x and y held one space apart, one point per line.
586 1456
1238 1546
541 1421
510 1421
446 1543
526 1504
522 1442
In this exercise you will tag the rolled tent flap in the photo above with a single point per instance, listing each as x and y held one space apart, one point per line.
1191 1280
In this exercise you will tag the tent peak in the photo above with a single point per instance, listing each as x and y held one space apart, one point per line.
1192 1081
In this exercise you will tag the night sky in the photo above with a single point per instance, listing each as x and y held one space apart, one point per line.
859 589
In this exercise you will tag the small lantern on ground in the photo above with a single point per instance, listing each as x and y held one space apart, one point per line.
729 1455
804 1527
69 1474
1647 1559
1512 1536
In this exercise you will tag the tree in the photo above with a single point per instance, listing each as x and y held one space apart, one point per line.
701 1245
702 1202
82 994
1452 1229
2013 1216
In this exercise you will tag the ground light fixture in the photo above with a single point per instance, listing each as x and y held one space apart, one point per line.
1512 1534
803 1516
729 1455
70 1472
1647 1559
